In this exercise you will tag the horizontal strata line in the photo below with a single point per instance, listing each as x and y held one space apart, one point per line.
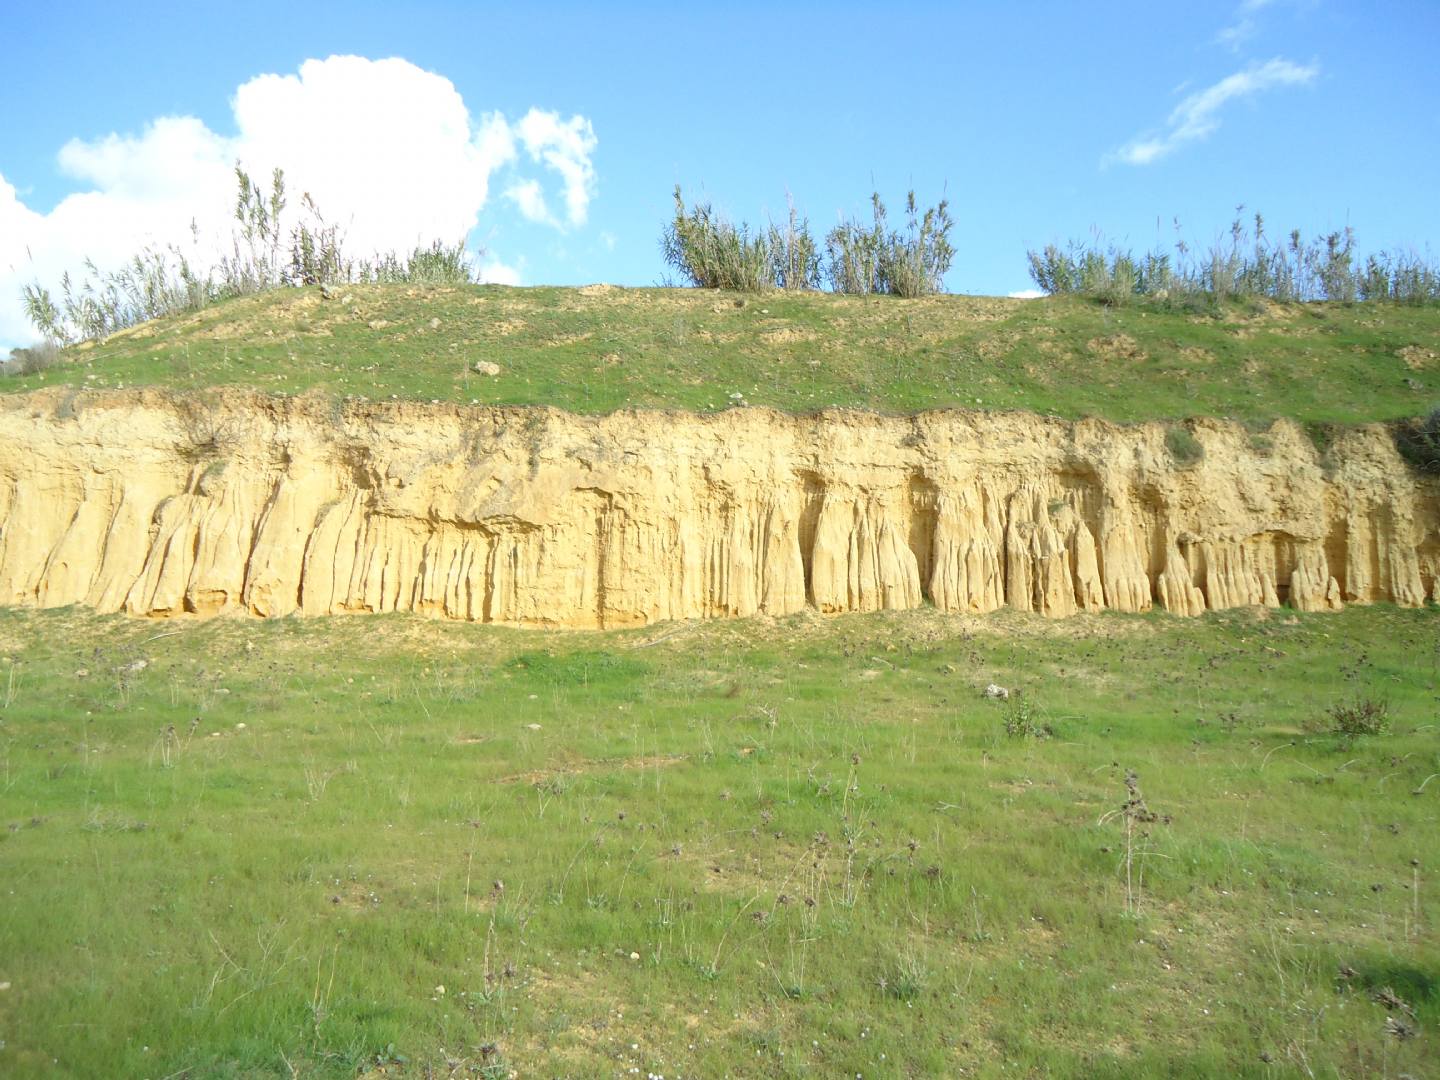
65 402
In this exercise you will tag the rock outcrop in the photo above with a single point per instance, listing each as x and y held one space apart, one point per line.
160 504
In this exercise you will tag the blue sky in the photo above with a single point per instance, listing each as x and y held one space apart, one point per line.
1041 121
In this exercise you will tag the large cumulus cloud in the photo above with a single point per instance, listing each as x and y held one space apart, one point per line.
388 151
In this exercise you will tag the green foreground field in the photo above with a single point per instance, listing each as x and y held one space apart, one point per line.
805 847
600 348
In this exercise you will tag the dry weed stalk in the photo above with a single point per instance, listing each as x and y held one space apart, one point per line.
1136 815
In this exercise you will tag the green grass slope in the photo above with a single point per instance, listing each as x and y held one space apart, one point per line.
599 348
798 848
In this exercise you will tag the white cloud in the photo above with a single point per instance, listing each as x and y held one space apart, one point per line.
495 272
1026 294
1198 115
389 152
529 199
385 148
1244 25
494 139
564 146
125 166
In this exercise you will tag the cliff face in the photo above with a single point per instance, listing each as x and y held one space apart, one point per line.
159 505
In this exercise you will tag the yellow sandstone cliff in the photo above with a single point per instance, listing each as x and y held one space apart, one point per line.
158 504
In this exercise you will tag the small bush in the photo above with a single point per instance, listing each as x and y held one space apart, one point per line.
154 282
903 977
1404 278
36 358
1321 435
853 252
317 251
263 255
1355 718
866 259
1022 722
438 264
915 261
794 257
1246 264
712 253
1419 442
1183 446
1112 277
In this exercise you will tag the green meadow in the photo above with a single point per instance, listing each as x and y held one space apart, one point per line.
805 847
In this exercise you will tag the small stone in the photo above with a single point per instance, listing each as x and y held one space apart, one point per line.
486 367
998 692
533 727
434 324
634 956
378 324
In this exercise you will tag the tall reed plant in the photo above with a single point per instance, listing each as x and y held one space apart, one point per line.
1244 264
267 250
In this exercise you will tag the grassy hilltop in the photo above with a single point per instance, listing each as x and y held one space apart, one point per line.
600 348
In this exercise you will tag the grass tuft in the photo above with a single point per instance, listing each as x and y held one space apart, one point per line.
1184 447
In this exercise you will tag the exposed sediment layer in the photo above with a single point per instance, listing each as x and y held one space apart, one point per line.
158 505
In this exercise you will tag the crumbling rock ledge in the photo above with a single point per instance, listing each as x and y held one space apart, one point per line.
160 504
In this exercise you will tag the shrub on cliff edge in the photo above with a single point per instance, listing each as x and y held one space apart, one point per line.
1419 441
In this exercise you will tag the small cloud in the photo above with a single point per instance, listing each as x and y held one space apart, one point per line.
565 146
530 200
496 272
1244 26
1026 294
1197 116
1236 34
608 239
